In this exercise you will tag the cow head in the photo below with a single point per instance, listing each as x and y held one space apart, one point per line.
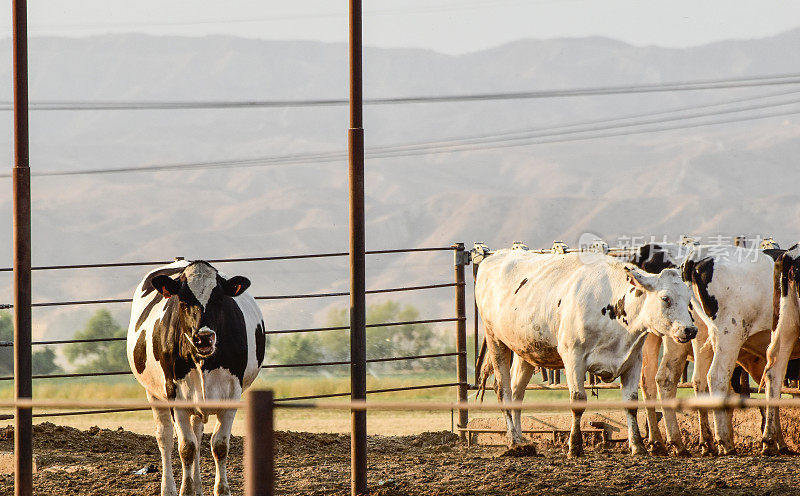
199 292
664 303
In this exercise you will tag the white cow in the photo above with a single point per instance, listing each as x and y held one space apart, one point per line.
784 339
194 335
558 311
734 287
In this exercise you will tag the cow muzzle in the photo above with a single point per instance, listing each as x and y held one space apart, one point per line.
204 342
686 335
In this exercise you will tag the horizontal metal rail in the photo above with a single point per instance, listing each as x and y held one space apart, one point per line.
701 403
268 366
294 398
383 324
90 412
284 331
232 260
272 297
564 387
70 375
371 360
371 291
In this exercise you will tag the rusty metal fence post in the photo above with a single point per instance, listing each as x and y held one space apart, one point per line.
461 259
259 447
23 380
358 337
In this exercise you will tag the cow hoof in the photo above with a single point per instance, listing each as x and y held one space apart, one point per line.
683 453
768 449
658 449
786 451
723 451
639 451
707 450
575 453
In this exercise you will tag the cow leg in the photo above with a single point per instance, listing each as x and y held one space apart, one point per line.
521 373
703 355
197 428
501 357
780 348
220 441
575 372
652 345
164 436
667 379
719 384
630 391
187 448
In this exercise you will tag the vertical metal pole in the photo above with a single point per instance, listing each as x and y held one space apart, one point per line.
259 449
461 334
358 337
23 387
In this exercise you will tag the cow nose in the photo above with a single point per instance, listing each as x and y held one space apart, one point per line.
690 332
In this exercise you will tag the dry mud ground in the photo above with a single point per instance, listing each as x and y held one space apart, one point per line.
101 462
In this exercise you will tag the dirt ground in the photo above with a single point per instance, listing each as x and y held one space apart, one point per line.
103 461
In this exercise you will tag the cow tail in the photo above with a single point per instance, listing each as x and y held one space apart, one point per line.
486 370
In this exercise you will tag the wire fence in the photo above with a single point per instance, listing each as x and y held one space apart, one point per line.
459 286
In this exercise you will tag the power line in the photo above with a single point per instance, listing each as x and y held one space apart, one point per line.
288 17
484 142
712 84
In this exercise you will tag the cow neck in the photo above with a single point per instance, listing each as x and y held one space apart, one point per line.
629 306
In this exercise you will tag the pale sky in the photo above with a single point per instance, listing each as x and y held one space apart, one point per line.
443 25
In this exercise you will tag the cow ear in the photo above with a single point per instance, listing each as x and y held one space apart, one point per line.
236 285
638 280
166 285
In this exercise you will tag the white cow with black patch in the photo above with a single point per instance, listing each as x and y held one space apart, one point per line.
556 311
784 339
194 335
732 310
734 287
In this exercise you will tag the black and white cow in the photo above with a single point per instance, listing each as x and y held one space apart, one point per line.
784 339
563 311
194 335
733 311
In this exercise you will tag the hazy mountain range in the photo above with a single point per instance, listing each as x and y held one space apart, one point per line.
737 178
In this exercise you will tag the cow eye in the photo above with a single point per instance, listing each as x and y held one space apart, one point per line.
667 300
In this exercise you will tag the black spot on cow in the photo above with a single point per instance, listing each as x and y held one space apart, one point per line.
559 303
609 311
733 321
638 292
619 308
261 342
147 309
521 284
652 258
157 341
140 353
702 275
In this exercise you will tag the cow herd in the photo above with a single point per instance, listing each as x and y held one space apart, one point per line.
607 315
196 334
